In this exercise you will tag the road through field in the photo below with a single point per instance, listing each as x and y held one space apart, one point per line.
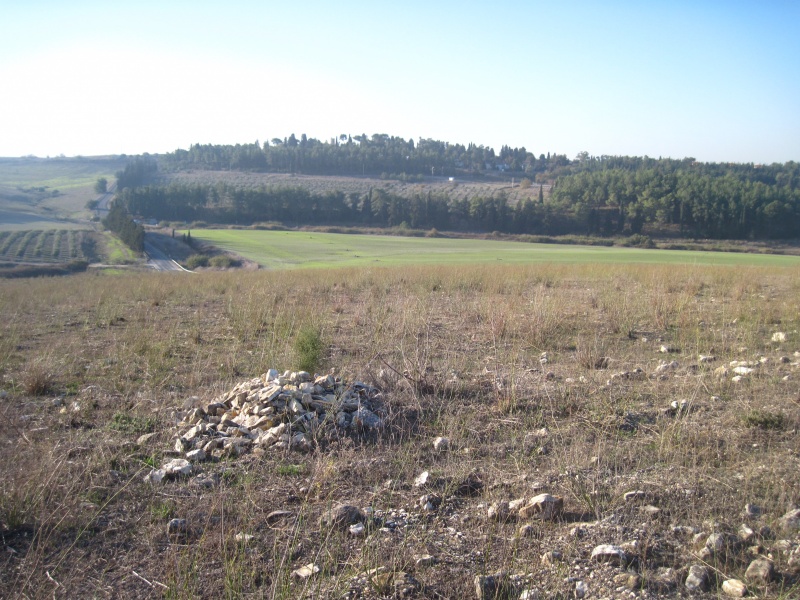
157 259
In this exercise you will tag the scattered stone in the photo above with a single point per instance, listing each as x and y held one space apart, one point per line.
425 560
791 520
430 502
440 444
207 481
395 583
665 367
526 530
499 512
698 579
581 589
751 511
706 358
650 511
494 587
637 495
734 588
243 537
779 336
608 553
421 479
177 527
745 533
342 515
721 544
760 571
544 507
679 407
143 440
631 581
551 557
277 515
198 455
358 529
169 470
306 571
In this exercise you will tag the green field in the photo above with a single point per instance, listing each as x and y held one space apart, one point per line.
293 249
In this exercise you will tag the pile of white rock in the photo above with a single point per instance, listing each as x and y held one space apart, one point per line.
293 410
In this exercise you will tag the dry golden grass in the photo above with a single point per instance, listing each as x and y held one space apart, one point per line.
91 362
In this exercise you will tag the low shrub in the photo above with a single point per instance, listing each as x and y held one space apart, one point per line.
196 260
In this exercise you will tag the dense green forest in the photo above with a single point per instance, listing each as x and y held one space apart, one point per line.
601 196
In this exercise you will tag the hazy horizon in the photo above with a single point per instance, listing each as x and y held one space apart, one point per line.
711 80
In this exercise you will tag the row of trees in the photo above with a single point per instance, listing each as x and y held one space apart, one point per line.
377 155
120 222
223 203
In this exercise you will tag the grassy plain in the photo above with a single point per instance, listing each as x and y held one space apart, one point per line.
298 249
511 363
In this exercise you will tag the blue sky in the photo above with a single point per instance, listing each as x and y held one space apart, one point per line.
719 81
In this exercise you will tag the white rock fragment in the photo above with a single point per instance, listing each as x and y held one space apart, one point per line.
608 553
421 479
697 579
198 455
306 571
779 336
440 444
425 560
543 506
734 588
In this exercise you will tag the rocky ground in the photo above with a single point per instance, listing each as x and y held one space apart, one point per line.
646 546
655 466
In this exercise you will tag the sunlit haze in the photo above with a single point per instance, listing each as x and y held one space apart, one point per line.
714 80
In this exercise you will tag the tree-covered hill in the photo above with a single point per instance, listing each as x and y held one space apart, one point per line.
603 196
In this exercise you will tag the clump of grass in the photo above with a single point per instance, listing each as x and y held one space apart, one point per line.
764 419
309 347
291 470
127 423
38 380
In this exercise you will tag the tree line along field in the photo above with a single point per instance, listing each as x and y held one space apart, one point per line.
46 246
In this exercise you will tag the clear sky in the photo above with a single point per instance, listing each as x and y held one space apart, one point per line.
716 80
